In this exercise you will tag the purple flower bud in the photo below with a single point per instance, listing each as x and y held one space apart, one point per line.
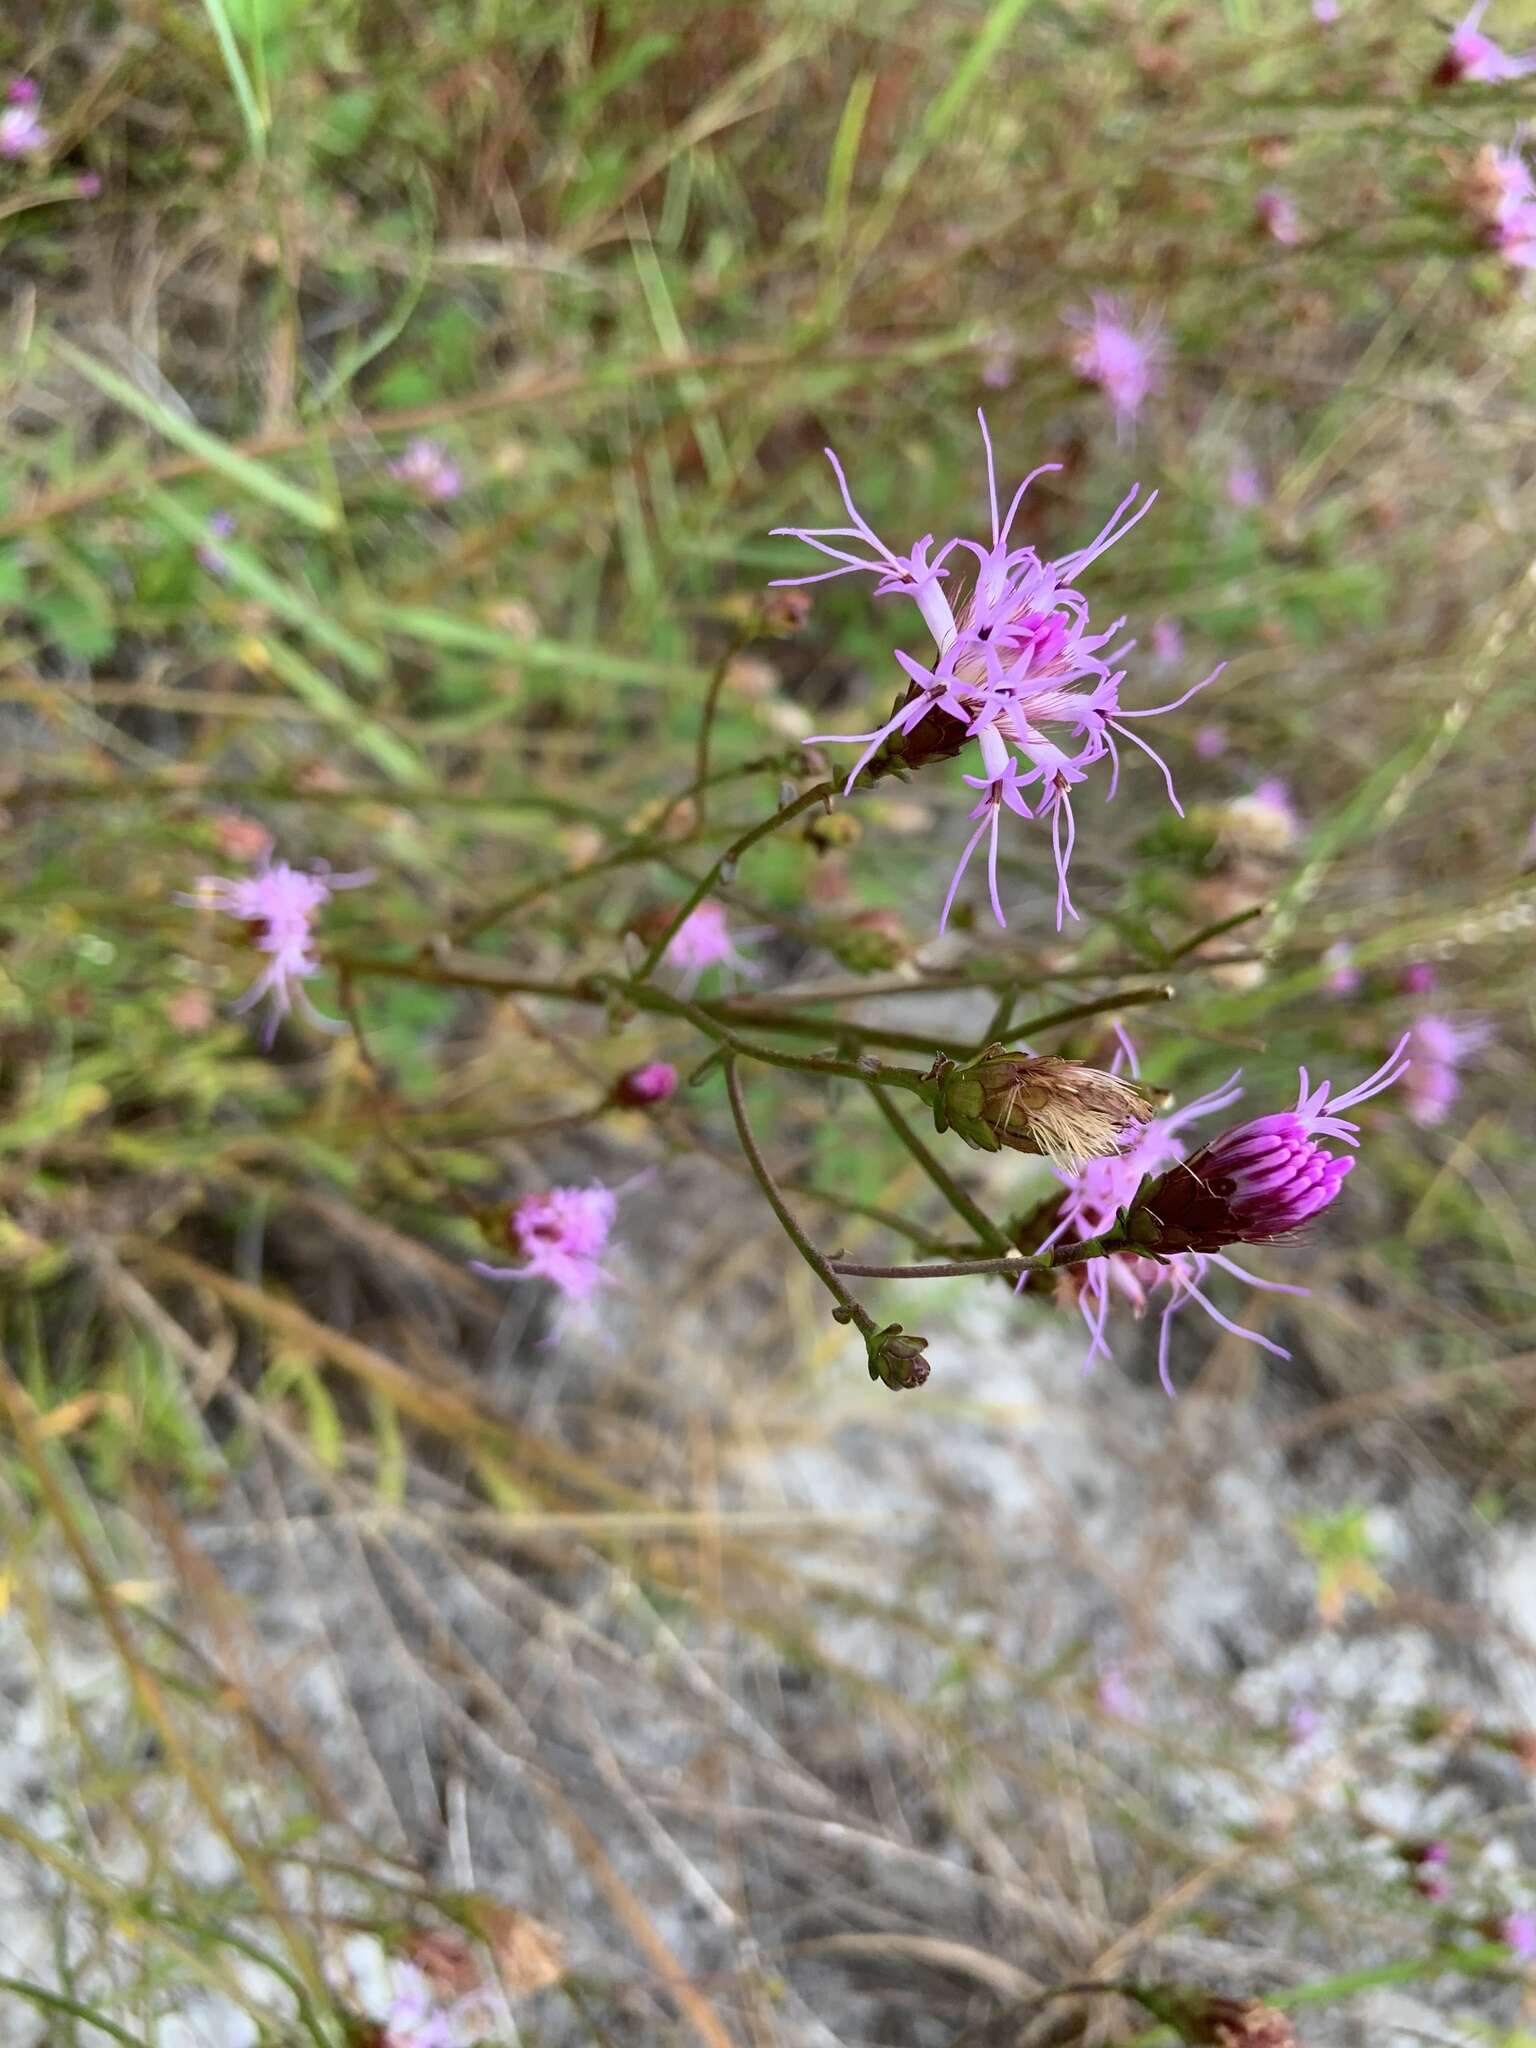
1517 1931
1344 976
1259 1181
1417 978
642 1087
88 185
897 1358
23 92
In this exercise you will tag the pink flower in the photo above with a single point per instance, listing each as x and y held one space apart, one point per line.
88 185
212 557
1325 12
562 1234
1343 975
642 1087
417 2017
1006 671
1116 1696
1471 55
1211 742
22 132
1167 643
1275 215
1265 1178
1417 978
1245 485
429 471
1427 1860
1125 361
1303 1720
1439 1046
278 904
702 941
1517 1931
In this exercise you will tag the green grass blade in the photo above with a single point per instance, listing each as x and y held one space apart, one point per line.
239 469
239 77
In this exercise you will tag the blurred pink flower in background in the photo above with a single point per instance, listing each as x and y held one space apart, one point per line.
1211 742
427 469
1167 642
703 940
1439 1046
1245 484
1325 11
278 904
1276 216
209 554
563 1234
22 132
1517 1931
1124 360
1417 978
1471 55
1343 975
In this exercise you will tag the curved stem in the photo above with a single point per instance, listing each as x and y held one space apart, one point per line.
822 1268
1020 1262
956 1196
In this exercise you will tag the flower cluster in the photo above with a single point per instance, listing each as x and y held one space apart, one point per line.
1019 669
278 905
1257 1182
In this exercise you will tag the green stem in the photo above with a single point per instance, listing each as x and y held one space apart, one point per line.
744 638
1101 1247
852 1311
728 861
956 1196
55 2001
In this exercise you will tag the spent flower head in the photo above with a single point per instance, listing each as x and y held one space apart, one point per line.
278 905
1018 669
1031 1103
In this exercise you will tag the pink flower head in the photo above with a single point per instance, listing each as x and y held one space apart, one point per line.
703 940
1501 197
1275 215
1325 12
1471 55
22 132
1167 643
1245 484
1343 975
1428 1862
1020 670
1266 1178
1417 978
1440 1044
1303 1720
88 185
562 1234
1517 1931
1116 1696
209 554
1125 361
418 2018
278 905
428 470
1211 742
643 1087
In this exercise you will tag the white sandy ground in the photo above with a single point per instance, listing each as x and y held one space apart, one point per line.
1065 1524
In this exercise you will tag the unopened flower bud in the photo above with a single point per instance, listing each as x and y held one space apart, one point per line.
785 612
644 1087
829 830
1206 2020
896 1356
1040 1104
870 942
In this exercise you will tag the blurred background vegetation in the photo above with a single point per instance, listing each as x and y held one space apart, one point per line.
326 1568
